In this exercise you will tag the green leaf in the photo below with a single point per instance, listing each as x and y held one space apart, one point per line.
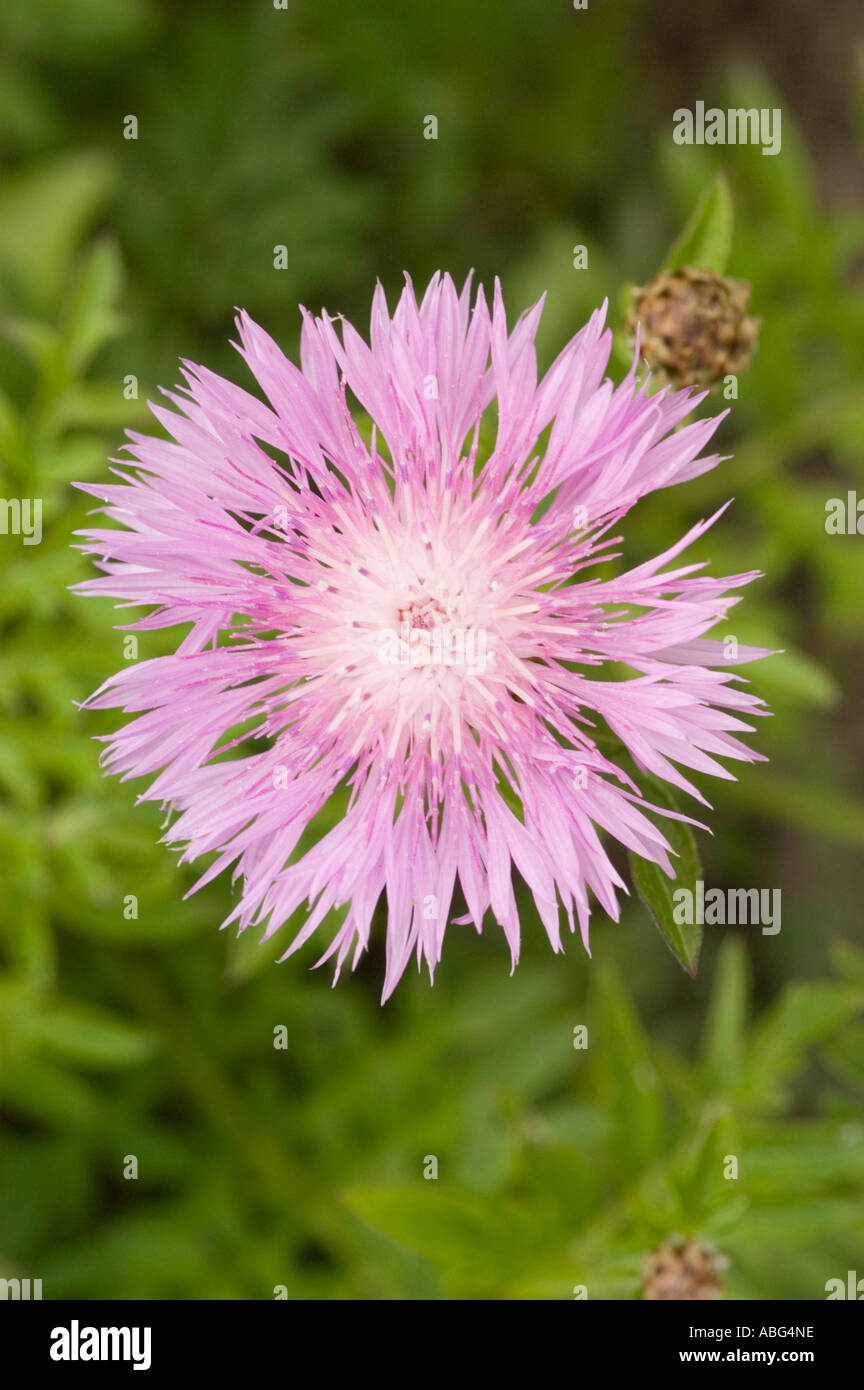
13 444
92 1037
656 890
43 214
804 1014
848 961
810 1161
479 1239
90 319
38 341
101 405
726 1026
844 1054
624 1058
818 808
30 941
706 240
699 1178
49 1093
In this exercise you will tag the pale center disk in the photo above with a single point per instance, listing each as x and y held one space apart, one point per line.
414 632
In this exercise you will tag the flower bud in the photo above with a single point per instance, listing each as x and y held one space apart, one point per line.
683 1270
695 326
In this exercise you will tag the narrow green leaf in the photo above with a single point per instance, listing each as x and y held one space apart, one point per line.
684 939
819 809
44 211
13 443
804 1014
625 1061
477 1240
706 240
39 342
92 1037
90 318
726 1026
699 1170
848 961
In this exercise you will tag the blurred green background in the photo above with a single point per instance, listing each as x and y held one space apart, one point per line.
302 1168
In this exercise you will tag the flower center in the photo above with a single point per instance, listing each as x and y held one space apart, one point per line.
424 613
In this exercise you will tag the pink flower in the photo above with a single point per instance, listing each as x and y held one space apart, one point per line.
393 611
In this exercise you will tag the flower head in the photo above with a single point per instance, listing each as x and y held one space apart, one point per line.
414 622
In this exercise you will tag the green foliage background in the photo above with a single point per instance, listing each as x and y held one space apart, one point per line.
153 1037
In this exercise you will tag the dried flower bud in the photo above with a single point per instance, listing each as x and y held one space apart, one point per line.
683 1270
695 327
